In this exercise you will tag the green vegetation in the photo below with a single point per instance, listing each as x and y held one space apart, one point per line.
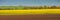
10 7
27 7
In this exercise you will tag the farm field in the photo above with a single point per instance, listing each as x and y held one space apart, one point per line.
29 9
34 14
27 12
31 17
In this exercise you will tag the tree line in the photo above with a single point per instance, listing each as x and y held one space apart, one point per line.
43 7
28 7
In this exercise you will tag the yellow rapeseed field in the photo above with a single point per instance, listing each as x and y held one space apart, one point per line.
34 11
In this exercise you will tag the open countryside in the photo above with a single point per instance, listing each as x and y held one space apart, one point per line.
29 9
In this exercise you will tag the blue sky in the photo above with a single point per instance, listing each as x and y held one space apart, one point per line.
29 2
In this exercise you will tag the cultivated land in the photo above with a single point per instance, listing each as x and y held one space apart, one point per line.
27 12
41 14
31 17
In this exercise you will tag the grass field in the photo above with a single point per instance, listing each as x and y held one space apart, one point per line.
24 12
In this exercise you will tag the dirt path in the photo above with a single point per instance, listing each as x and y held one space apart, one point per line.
30 17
